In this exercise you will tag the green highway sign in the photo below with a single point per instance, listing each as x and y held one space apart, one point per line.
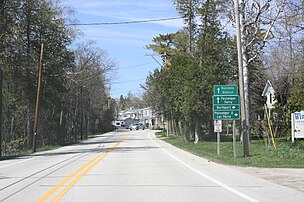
226 115
226 107
226 104
225 90
225 100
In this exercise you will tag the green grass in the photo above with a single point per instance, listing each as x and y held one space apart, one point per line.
29 151
23 152
287 154
48 148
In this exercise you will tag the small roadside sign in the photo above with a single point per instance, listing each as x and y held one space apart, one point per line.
218 126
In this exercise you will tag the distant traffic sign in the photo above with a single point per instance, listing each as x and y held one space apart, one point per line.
226 100
225 90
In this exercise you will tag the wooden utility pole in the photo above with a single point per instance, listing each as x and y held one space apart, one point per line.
37 99
81 114
244 127
2 7
1 78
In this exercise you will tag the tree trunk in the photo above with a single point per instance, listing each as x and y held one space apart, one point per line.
186 131
176 128
197 131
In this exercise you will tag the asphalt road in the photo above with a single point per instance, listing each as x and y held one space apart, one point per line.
131 166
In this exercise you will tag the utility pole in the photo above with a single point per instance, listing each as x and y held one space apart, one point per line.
37 99
1 78
2 7
244 126
81 115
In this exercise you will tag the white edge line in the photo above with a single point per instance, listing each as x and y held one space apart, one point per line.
206 176
19 162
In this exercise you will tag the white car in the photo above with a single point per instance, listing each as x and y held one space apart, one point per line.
137 126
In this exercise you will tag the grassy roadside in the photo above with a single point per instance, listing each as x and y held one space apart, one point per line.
29 151
14 154
287 155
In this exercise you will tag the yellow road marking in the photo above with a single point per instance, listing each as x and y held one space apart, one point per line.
92 163
60 184
67 188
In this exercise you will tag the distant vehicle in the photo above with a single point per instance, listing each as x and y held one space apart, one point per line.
119 124
137 126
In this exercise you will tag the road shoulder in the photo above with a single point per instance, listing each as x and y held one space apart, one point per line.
289 177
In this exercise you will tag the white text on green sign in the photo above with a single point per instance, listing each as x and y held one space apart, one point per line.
226 100
226 107
226 115
225 90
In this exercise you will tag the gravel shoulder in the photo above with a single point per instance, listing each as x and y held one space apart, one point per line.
289 177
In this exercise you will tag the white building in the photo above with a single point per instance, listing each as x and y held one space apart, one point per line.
151 119
145 116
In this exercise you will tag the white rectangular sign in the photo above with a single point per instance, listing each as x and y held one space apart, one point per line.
297 125
218 126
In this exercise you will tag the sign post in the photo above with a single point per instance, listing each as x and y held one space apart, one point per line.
218 130
233 139
226 106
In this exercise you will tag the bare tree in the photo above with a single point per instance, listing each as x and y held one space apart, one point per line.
257 19
285 54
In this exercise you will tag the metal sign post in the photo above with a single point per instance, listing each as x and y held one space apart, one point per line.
218 130
218 143
226 106
234 139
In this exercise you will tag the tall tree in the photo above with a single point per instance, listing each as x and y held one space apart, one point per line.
184 86
255 31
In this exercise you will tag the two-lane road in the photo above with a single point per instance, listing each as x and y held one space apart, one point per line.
130 166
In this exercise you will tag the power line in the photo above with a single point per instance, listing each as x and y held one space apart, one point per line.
138 65
123 22
128 81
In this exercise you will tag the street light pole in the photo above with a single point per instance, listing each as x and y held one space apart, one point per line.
241 80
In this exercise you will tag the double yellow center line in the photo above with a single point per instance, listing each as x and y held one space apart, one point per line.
77 175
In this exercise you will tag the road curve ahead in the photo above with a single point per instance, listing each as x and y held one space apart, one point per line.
130 166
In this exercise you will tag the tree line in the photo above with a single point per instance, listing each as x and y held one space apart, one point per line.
204 53
74 99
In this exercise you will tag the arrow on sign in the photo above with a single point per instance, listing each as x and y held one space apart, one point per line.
218 90
233 107
236 114
218 100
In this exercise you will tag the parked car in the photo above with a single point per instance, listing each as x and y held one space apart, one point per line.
137 126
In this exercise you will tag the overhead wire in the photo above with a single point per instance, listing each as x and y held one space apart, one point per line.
138 65
123 22
128 81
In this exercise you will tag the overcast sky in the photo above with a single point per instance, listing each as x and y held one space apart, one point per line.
126 43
